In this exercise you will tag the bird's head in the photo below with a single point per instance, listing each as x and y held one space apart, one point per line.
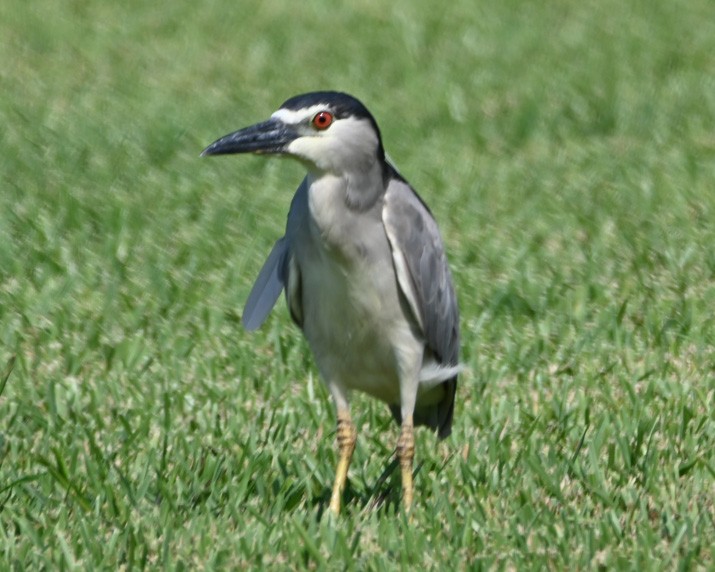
328 131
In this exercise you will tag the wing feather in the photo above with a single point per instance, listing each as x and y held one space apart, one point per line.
422 270
267 288
426 282
280 270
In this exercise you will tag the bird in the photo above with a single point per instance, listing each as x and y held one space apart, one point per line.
364 270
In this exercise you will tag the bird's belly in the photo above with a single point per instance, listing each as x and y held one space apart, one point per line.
353 322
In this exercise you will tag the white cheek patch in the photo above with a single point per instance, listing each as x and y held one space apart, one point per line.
346 145
354 131
314 149
301 146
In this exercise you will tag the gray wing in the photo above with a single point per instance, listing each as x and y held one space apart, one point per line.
267 288
279 271
422 270
426 282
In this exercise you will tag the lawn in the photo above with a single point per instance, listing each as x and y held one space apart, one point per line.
568 152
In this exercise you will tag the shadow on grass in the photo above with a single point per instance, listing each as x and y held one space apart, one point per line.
383 497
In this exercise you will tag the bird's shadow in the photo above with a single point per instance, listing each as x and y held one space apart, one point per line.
383 497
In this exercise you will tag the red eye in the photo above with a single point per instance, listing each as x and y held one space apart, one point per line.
322 120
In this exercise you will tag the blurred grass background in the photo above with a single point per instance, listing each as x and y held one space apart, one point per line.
568 153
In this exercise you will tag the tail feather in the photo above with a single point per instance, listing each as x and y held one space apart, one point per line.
437 416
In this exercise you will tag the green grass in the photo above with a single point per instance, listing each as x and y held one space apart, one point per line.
567 150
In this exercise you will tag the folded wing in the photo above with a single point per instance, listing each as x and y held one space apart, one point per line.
426 282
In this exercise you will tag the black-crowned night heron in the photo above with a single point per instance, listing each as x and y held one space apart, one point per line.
364 270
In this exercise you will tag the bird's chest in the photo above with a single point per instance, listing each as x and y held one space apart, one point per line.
349 287
344 247
336 229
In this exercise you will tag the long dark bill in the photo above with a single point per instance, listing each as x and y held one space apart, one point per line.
271 136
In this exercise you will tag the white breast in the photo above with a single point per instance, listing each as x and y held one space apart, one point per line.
352 311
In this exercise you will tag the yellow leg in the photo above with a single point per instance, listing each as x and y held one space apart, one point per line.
347 436
406 454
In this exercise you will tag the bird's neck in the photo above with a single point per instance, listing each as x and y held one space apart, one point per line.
363 188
